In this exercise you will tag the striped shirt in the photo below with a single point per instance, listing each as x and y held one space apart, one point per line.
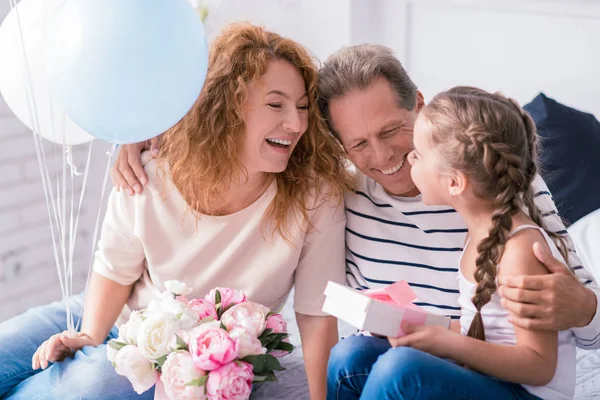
390 238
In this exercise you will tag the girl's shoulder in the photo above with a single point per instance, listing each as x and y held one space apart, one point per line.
518 257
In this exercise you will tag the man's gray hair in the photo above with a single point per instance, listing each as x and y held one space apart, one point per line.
357 67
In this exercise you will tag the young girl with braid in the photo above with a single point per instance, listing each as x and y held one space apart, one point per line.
476 152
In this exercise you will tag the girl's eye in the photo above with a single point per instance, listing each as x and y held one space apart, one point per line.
303 107
275 105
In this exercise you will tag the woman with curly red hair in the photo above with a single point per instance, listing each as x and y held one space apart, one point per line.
245 193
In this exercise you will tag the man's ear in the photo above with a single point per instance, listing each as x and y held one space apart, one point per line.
420 101
457 183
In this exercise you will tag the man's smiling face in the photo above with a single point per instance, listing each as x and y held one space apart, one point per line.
377 133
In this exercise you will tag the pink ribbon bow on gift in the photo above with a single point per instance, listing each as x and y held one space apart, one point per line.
401 295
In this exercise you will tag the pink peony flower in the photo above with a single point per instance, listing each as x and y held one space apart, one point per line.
277 323
249 316
178 376
203 308
248 344
130 363
211 346
232 381
228 297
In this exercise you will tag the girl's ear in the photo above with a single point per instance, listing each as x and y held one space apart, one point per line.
457 183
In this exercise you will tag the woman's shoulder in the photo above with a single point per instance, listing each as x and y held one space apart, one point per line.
326 206
159 176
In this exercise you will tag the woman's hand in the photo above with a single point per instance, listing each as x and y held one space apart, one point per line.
59 347
432 339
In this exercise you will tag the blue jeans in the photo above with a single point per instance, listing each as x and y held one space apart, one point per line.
365 367
88 375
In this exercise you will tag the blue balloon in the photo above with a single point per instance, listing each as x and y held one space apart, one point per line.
126 70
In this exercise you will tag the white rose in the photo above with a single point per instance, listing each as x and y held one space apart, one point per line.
129 331
130 363
248 343
111 353
177 288
156 335
188 318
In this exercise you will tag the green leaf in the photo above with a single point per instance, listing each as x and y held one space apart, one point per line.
207 319
198 382
223 327
160 361
117 345
263 363
180 344
265 333
285 346
266 377
273 343
217 297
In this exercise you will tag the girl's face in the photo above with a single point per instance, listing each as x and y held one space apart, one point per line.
276 117
428 172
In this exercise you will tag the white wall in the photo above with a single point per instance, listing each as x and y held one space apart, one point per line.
322 26
517 47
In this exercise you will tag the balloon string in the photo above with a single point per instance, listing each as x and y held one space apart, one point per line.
95 237
40 153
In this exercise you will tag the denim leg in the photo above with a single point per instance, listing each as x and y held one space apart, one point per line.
350 363
406 373
21 336
87 376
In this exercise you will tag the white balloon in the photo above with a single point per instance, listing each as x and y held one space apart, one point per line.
35 18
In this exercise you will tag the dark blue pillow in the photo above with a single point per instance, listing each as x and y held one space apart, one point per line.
569 157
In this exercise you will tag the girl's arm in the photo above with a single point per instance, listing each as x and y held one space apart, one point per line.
533 359
319 335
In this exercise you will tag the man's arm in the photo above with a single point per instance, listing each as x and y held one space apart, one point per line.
128 173
559 301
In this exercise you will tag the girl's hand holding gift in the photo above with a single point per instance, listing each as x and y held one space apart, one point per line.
432 339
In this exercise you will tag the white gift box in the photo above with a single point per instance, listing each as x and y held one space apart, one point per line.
378 317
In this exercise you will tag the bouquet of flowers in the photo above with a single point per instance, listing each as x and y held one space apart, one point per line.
212 348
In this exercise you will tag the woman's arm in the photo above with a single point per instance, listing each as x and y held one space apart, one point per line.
104 301
318 335
118 263
322 259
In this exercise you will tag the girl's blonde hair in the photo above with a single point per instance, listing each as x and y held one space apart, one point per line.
493 141
202 150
